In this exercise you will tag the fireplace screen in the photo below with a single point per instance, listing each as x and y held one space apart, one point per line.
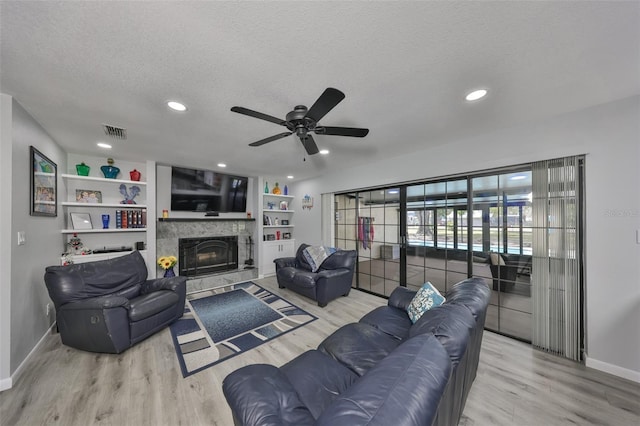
207 255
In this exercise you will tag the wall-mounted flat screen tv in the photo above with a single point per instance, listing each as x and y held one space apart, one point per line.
207 191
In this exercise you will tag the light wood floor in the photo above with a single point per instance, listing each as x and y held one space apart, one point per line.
143 386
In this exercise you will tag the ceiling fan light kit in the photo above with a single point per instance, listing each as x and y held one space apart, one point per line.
303 121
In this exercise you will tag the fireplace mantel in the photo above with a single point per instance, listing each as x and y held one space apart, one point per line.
200 219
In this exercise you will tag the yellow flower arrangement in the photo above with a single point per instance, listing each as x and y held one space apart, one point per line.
167 262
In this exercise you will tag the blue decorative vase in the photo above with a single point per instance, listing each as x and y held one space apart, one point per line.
169 273
110 171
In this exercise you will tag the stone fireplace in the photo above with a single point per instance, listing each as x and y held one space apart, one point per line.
223 269
207 255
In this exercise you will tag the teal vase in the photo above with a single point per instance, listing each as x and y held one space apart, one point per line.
110 172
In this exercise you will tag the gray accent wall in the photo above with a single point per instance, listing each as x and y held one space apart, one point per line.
44 242
609 135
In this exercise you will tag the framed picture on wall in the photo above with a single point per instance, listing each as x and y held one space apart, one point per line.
44 185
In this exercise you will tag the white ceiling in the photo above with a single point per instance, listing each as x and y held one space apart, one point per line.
404 67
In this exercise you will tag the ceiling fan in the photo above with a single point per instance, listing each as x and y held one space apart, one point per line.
303 121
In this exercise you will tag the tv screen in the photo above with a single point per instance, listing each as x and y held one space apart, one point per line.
205 190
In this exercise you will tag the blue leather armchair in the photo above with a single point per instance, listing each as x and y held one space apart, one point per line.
109 305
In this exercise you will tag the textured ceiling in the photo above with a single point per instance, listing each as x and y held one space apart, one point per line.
404 67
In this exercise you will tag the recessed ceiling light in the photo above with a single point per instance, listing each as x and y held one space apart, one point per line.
393 191
476 94
177 106
518 177
104 145
324 151
222 165
290 177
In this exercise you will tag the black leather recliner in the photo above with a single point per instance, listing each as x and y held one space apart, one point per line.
109 305
333 279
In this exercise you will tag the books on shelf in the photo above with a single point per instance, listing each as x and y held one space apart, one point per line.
131 218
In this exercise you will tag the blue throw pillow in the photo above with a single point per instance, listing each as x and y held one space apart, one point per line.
426 298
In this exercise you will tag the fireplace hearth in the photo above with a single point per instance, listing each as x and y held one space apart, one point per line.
207 255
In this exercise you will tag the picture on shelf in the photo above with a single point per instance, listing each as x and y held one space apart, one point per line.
286 235
285 222
81 221
88 196
284 205
270 237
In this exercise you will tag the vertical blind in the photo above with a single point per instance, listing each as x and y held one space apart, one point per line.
556 274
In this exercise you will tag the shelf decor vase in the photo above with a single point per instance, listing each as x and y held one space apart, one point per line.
110 171
82 169
277 190
135 175
286 190
266 187
169 273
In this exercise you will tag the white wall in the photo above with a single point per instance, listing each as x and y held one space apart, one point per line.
44 242
610 136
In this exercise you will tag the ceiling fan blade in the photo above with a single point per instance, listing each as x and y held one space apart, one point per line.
256 114
309 144
325 103
342 131
270 139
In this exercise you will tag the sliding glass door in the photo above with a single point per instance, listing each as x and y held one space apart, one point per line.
444 231
369 221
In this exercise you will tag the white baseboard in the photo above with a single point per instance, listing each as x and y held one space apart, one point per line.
16 374
5 384
613 369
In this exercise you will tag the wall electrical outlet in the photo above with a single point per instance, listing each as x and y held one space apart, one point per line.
48 309
22 238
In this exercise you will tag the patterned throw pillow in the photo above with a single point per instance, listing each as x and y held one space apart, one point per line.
315 255
426 298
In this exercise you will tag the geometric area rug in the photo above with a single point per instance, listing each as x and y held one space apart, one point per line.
223 322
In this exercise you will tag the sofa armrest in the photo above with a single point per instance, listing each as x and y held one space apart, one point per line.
330 274
261 395
174 284
97 324
102 302
401 297
283 262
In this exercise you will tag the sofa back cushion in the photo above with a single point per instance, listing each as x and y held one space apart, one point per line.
404 388
451 324
358 346
261 395
318 379
472 293
121 275
340 259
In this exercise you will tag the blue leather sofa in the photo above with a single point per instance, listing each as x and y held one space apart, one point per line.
383 370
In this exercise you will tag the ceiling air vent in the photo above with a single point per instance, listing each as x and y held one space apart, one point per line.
114 132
